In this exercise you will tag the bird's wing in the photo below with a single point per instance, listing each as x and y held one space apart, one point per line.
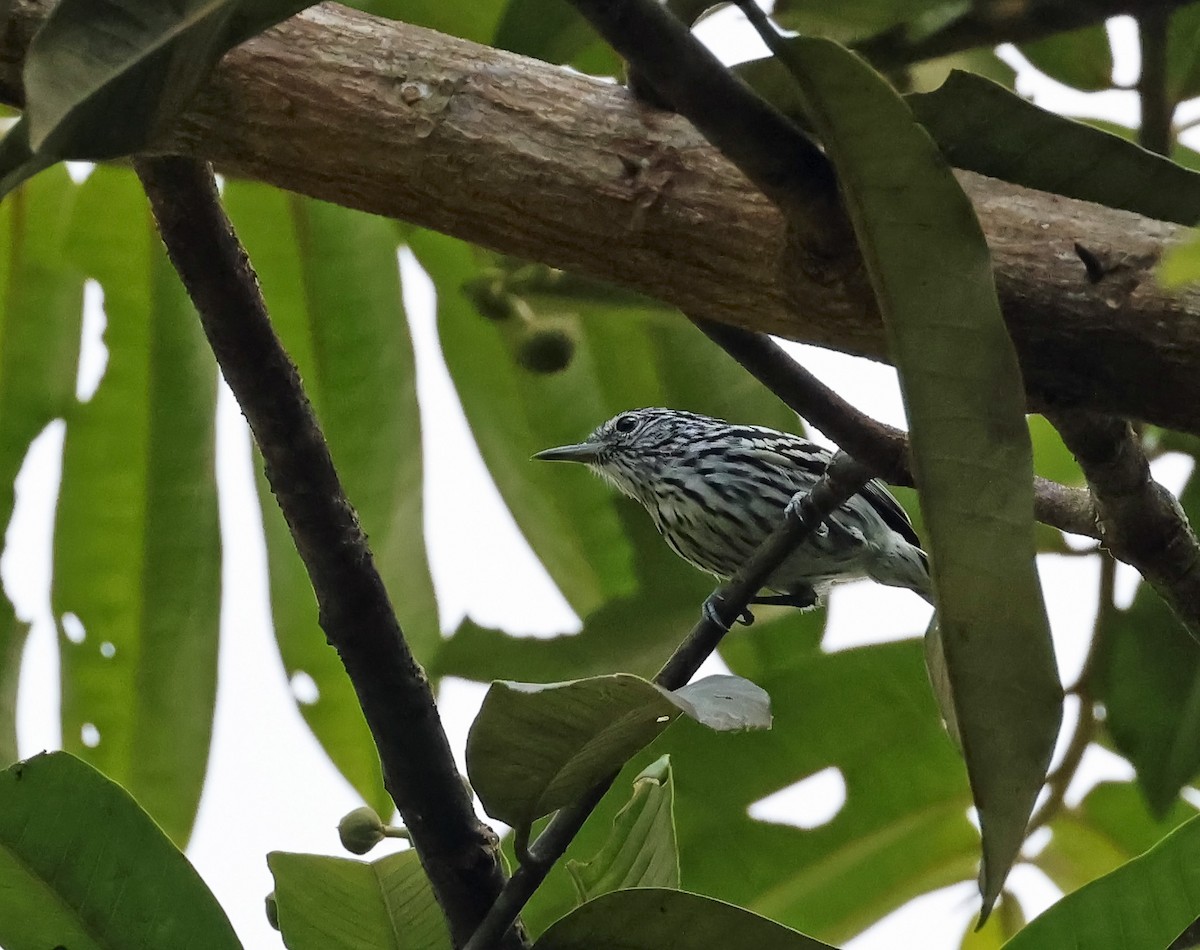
885 504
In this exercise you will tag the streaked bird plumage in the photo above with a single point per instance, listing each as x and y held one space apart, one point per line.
716 490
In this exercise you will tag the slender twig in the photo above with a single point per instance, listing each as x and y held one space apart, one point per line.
1059 781
978 26
459 853
842 479
882 447
1158 108
1140 522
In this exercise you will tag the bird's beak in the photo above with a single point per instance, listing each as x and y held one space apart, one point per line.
583 452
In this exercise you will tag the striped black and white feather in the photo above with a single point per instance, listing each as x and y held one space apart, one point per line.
716 490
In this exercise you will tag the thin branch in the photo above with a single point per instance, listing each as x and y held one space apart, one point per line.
1158 108
983 24
881 446
1140 522
1059 781
843 478
459 853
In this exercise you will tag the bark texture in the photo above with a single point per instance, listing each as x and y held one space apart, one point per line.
539 162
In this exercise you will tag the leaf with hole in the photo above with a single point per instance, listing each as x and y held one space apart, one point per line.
393 904
641 850
535 747
931 272
83 866
137 549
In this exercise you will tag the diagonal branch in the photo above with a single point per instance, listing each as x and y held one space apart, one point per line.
881 446
842 479
1140 522
459 853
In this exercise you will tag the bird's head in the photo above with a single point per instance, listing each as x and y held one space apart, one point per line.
635 448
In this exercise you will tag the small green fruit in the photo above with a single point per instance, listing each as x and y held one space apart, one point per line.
361 830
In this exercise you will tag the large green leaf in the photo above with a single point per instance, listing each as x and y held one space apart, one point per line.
535 748
1110 826
868 713
331 281
1080 58
858 19
651 918
1148 677
41 304
137 546
341 904
1143 905
931 271
82 866
641 851
553 31
103 76
981 126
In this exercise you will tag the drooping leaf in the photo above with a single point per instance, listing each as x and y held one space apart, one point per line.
998 929
981 126
18 163
1080 58
1110 826
867 713
137 546
41 304
931 271
82 866
650 918
535 747
331 282
103 76
341 904
1142 905
641 850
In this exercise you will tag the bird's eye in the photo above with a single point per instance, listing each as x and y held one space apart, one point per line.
625 424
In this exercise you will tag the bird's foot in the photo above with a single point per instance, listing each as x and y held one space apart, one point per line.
710 613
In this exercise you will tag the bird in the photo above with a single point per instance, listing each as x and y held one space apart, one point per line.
715 490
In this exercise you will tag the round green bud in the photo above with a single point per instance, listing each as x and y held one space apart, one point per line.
546 350
361 830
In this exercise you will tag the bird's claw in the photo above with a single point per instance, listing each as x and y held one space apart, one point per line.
711 614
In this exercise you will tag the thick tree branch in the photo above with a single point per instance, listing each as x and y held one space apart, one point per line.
459 853
1140 522
552 166
882 447
842 479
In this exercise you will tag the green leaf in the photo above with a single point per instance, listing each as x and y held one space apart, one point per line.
534 747
331 281
102 77
1110 826
1183 54
1148 678
931 271
652 918
1080 58
1181 263
41 304
641 850
472 21
1000 927
868 713
1143 905
341 904
137 544
981 126
18 163
551 30
858 19
82 866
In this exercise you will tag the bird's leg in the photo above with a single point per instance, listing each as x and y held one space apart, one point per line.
710 613
803 598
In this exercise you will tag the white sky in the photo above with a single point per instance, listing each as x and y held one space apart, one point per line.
270 787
